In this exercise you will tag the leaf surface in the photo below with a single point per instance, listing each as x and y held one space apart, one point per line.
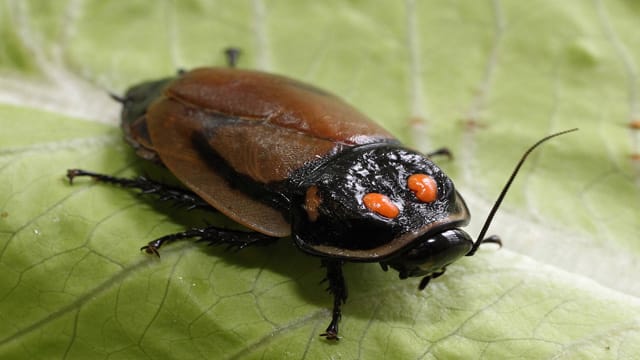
483 78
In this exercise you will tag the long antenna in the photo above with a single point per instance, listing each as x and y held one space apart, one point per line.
506 187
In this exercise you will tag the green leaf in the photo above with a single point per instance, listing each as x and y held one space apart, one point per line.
483 78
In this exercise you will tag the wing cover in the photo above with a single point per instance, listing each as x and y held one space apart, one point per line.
263 126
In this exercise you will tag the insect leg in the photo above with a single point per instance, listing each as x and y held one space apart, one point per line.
232 55
441 152
338 288
214 236
425 280
147 186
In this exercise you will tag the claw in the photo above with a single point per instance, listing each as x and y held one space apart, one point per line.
72 173
330 336
149 249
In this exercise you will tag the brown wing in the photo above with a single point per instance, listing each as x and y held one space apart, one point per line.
264 152
281 101
263 126
172 130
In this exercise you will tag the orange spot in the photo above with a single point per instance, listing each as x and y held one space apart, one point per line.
635 124
381 205
312 202
635 157
425 188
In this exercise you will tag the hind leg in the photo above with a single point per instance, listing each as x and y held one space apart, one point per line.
147 186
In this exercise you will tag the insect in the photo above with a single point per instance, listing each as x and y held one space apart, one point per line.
286 159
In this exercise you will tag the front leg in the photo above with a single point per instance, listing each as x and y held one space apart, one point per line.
338 288
441 152
425 280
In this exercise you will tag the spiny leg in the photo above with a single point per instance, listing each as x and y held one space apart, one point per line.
211 234
338 288
147 186
214 236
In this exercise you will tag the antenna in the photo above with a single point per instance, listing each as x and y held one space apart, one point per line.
506 187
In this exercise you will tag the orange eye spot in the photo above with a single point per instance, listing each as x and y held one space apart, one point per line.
424 187
312 203
381 205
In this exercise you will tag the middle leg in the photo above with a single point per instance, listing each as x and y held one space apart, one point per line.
214 236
